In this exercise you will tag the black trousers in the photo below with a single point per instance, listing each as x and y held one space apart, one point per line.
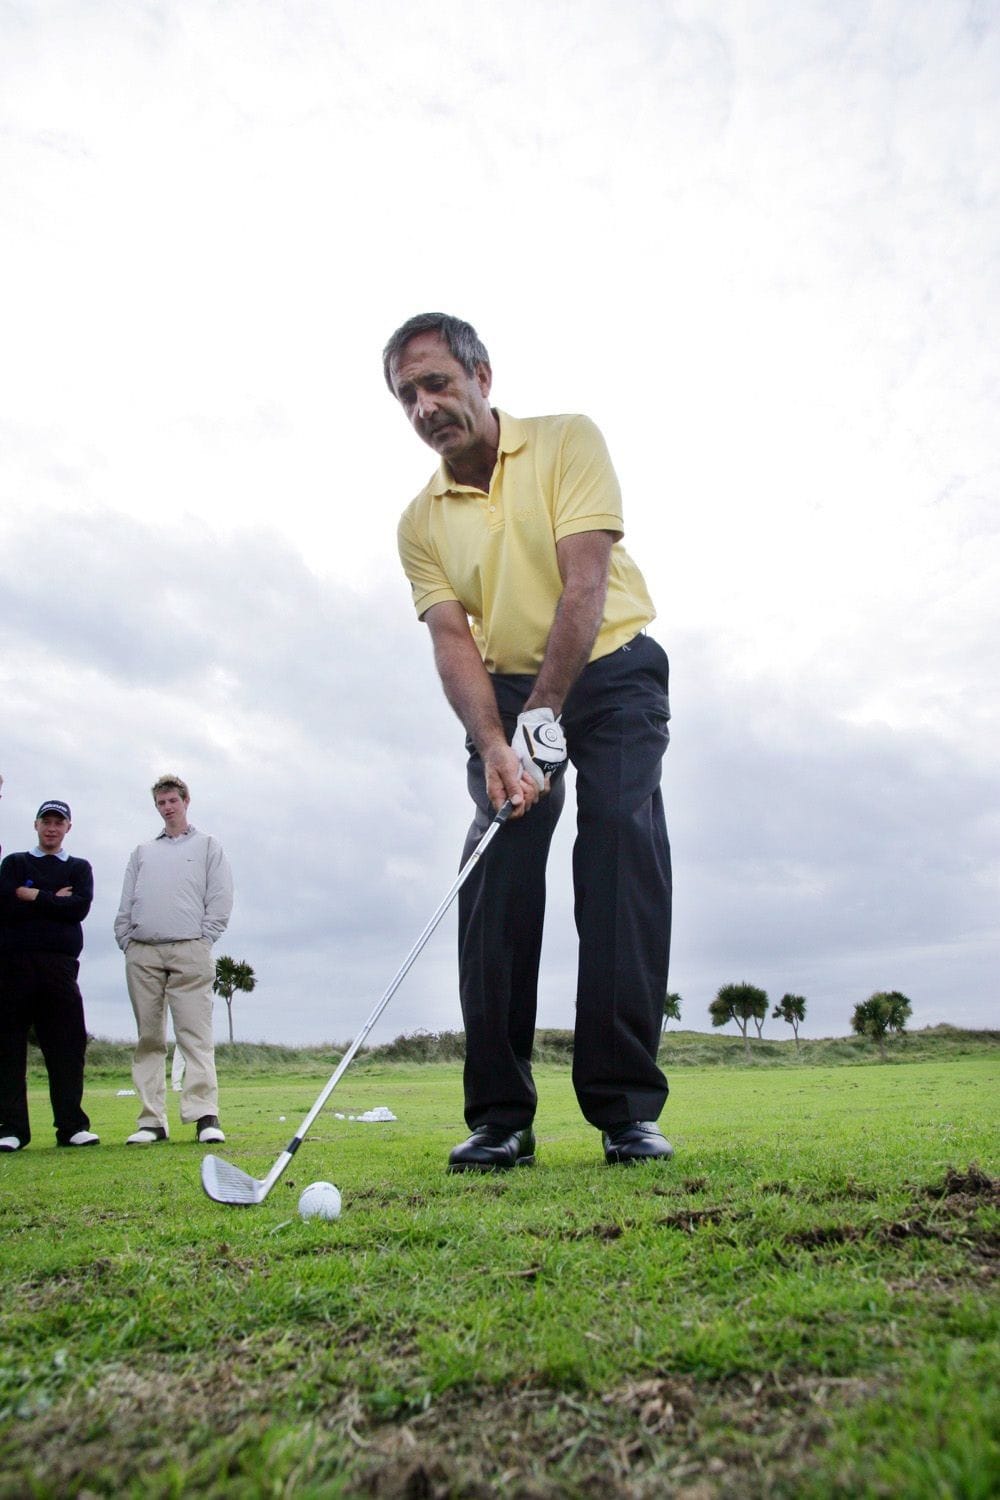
40 990
615 720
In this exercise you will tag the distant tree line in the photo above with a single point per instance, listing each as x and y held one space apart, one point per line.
885 1011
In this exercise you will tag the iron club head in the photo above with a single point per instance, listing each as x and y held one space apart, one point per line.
225 1183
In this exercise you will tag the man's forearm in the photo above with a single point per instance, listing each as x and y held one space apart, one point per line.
571 640
468 688
584 562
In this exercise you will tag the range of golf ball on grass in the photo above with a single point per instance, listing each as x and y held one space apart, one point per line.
320 1200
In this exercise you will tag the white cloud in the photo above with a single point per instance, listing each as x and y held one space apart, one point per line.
759 245
320 750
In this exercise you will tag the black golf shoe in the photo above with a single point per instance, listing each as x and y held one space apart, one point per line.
79 1138
636 1140
494 1148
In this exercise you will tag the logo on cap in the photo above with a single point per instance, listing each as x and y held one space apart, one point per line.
61 810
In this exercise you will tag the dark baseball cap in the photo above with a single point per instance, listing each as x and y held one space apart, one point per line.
61 809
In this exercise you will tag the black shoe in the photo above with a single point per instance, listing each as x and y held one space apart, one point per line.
637 1140
80 1138
494 1148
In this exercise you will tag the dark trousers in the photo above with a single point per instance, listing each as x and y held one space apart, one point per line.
615 720
40 990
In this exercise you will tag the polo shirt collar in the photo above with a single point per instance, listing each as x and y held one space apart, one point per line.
39 853
513 435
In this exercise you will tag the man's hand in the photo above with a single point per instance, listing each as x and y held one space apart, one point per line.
540 745
506 780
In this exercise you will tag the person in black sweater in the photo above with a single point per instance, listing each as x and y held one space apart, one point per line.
44 897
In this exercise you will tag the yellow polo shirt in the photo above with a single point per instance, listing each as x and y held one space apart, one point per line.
496 553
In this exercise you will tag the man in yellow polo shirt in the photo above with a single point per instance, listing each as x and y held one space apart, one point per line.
537 617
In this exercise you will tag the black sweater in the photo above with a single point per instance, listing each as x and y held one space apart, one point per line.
51 923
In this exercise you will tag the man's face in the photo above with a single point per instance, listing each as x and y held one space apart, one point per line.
51 830
172 808
446 406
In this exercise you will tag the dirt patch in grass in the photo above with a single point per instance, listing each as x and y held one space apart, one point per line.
685 1219
594 1232
824 1235
669 1435
690 1219
977 1240
700 1440
972 1183
855 1192
48 1288
957 1201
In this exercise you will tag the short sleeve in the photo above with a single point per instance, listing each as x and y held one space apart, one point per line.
428 582
587 493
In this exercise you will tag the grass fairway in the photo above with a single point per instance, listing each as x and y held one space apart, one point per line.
803 1303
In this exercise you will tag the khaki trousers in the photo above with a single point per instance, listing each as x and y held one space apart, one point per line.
178 975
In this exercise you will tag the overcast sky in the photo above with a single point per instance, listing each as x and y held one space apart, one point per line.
758 243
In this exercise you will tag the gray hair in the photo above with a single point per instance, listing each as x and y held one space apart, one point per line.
464 343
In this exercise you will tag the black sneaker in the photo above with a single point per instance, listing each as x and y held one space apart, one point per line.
209 1131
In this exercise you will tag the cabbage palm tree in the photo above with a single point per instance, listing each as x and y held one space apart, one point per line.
886 1010
899 1011
791 1008
741 1003
671 1010
232 975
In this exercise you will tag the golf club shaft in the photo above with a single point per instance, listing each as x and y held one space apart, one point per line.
497 822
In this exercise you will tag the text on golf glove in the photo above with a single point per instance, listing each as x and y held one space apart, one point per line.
539 744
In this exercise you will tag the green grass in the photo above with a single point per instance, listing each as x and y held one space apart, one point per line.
803 1303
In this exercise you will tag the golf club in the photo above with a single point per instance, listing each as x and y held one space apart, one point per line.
228 1184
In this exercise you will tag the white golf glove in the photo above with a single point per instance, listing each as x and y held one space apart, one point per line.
539 744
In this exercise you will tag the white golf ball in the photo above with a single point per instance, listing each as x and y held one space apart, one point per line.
320 1200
